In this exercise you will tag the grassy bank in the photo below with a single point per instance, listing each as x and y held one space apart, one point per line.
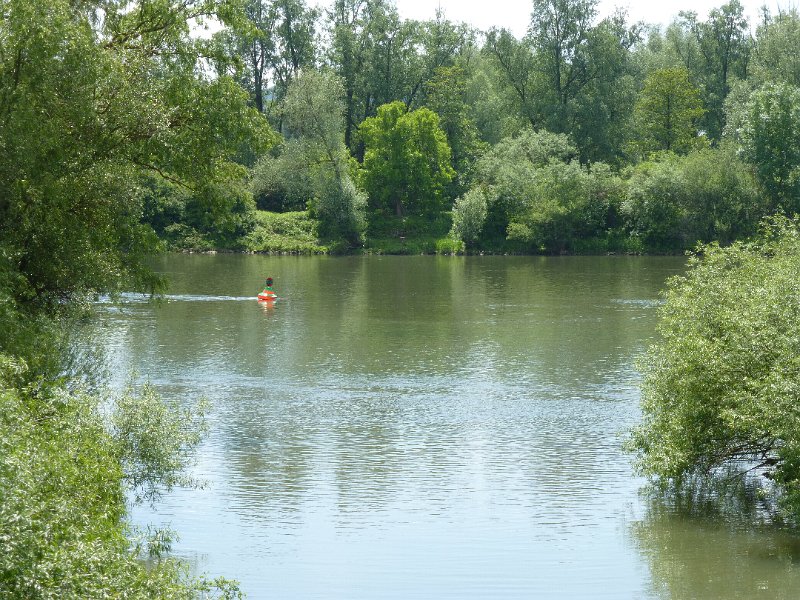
296 233
284 233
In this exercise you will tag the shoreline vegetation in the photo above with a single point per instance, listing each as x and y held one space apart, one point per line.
294 234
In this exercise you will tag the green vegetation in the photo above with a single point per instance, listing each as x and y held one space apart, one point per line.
64 475
122 132
389 119
422 234
721 387
406 160
280 233
108 135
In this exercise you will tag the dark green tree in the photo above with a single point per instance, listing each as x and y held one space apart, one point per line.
295 31
677 201
95 98
570 74
446 95
518 72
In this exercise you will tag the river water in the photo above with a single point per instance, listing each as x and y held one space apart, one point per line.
426 427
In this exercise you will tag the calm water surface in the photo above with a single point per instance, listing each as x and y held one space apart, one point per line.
421 427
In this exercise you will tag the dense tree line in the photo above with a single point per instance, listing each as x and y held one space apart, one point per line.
634 102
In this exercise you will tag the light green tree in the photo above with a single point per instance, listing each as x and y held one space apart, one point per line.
667 112
720 388
509 169
407 160
314 112
469 215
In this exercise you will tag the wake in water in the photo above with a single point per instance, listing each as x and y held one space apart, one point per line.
133 298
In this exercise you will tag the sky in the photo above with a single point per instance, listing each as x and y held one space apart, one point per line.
515 14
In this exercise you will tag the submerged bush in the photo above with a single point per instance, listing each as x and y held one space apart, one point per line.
721 390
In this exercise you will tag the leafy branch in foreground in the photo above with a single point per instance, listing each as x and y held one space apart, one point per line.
721 389
63 487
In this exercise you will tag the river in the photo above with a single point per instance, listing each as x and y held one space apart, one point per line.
426 427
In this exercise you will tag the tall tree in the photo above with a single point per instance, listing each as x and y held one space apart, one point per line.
769 138
775 56
372 50
446 96
269 43
725 44
515 62
720 47
295 31
667 112
382 57
314 111
407 160
560 33
566 65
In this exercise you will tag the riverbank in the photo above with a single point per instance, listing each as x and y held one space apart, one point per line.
296 233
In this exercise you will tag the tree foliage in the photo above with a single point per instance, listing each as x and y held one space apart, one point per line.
721 387
101 104
65 471
769 137
775 59
667 112
469 215
677 201
407 160
314 111
88 106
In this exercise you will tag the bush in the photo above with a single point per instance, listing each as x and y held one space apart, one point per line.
291 232
721 388
469 215
340 208
449 246
64 473
277 182
677 201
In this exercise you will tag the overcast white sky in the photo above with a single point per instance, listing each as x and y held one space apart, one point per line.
515 14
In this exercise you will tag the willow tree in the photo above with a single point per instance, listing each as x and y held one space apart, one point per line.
721 386
314 110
